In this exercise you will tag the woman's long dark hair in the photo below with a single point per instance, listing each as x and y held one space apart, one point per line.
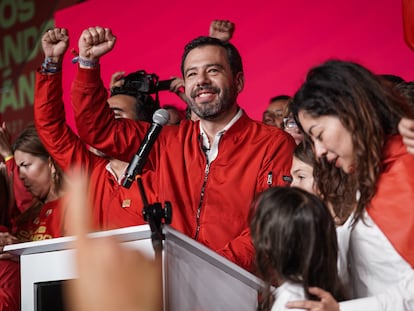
295 240
366 108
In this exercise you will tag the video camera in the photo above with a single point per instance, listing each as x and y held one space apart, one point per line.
141 81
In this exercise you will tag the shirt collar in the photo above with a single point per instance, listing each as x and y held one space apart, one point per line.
228 125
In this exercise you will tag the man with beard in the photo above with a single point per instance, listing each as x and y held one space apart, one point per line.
210 170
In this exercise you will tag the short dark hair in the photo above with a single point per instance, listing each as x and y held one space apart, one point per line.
280 97
393 79
145 105
233 55
406 90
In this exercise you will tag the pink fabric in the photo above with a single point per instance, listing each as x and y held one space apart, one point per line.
278 40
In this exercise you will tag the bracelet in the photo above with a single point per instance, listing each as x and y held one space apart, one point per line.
49 66
88 63
8 158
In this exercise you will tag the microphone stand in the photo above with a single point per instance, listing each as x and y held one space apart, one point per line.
154 214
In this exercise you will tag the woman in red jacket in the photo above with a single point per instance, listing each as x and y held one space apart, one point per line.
44 180
42 220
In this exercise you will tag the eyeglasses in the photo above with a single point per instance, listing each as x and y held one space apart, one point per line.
289 123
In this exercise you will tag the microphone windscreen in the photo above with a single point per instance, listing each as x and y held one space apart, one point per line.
161 117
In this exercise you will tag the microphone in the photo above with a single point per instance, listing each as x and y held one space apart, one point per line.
159 119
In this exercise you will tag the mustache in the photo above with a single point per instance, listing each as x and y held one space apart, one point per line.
207 88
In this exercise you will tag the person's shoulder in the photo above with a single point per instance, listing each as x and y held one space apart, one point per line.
259 130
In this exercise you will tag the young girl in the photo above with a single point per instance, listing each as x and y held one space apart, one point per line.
323 179
296 247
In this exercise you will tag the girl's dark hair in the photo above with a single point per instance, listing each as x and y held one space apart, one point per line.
335 188
366 109
304 152
295 240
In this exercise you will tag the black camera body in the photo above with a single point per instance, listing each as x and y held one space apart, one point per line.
141 81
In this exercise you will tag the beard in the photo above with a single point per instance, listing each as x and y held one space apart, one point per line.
211 110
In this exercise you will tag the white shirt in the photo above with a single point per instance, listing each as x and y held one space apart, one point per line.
343 234
378 272
211 150
286 292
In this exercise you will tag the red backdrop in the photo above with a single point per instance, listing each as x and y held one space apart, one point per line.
279 40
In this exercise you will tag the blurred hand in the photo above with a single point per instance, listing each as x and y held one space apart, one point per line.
177 87
116 79
6 239
95 42
55 42
221 29
111 277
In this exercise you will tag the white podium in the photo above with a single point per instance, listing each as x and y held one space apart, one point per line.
52 260
195 277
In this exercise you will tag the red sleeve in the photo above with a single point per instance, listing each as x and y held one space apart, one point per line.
9 285
278 163
408 22
240 251
63 145
119 138
391 207
22 196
